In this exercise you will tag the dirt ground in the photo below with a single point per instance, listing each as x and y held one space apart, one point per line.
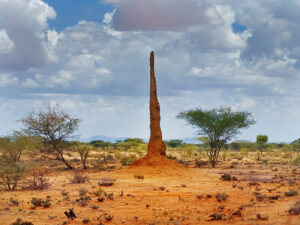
164 196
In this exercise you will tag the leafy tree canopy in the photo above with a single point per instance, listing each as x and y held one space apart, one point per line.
217 126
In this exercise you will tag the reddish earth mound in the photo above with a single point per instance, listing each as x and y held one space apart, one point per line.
156 161
156 166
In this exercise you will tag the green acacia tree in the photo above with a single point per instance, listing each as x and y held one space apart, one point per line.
217 126
261 140
15 145
174 143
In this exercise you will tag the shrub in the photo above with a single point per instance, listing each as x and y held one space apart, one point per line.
127 160
139 177
78 178
86 220
297 160
262 217
64 192
82 191
11 174
259 196
41 202
221 197
295 210
228 177
291 193
20 222
109 217
201 163
39 181
216 216
14 201
98 193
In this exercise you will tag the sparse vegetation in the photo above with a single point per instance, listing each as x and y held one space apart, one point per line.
11 173
228 177
79 178
19 221
41 202
39 181
127 160
14 201
261 140
291 193
295 210
220 197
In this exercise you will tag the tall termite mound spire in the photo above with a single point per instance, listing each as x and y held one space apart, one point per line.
156 146
156 154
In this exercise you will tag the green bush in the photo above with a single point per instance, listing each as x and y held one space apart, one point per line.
14 201
11 173
297 160
41 202
21 222
126 161
291 193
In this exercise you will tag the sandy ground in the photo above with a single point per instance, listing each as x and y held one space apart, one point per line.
164 196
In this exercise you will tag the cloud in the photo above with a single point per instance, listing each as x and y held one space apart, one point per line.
29 83
6 45
7 80
102 74
25 23
176 15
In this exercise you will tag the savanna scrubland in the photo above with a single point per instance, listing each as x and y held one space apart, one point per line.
244 188
48 178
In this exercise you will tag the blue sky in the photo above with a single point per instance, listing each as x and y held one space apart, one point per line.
70 12
91 57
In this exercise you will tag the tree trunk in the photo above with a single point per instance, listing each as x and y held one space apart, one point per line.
261 150
62 158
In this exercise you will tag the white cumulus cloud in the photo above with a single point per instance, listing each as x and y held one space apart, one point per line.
6 44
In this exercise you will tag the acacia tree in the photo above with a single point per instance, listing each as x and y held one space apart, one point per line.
11 173
261 140
13 146
83 150
217 126
54 126
174 143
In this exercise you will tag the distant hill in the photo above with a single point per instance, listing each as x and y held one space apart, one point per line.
115 139
103 138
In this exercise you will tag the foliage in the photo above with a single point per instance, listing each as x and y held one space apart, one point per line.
295 210
228 177
14 201
217 126
126 145
83 150
297 160
15 145
221 197
41 202
291 193
134 140
175 143
11 173
261 140
19 221
100 144
54 126
127 160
